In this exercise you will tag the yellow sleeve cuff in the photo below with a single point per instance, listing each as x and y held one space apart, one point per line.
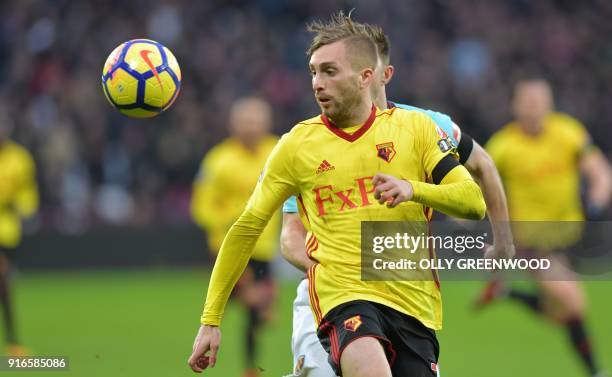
457 195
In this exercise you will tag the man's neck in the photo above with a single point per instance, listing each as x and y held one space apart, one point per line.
381 101
533 128
250 145
360 116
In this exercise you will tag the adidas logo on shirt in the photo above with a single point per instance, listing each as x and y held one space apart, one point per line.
325 166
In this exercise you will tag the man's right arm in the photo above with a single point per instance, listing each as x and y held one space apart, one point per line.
275 185
482 168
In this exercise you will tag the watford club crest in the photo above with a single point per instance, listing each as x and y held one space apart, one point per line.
353 323
386 151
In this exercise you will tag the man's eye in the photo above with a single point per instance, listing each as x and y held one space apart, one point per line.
330 71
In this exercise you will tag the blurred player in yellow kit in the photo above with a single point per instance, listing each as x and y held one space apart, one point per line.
540 157
18 200
352 163
226 179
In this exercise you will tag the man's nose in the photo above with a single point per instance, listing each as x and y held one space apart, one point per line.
317 83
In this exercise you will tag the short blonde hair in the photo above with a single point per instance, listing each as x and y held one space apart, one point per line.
362 48
378 36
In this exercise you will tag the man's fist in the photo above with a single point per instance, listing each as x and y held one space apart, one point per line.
203 362
391 190
207 339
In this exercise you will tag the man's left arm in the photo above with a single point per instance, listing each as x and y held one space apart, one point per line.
453 190
450 188
26 199
596 169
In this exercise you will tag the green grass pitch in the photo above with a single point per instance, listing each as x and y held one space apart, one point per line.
142 323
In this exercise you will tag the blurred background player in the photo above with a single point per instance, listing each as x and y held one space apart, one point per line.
540 157
18 201
309 356
227 176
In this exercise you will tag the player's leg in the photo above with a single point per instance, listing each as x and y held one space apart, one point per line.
354 364
257 292
564 302
532 300
352 334
246 293
416 346
560 299
309 357
558 295
5 299
561 293
252 327
497 289
492 291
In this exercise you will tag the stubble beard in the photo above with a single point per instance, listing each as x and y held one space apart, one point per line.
343 111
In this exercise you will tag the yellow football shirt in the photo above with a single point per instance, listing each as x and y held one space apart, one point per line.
541 174
227 176
331 172
18 191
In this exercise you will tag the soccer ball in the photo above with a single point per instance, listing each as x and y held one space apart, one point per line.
141 78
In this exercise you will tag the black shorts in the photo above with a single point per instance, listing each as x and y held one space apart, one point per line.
9 253
411 348
261 270
256 272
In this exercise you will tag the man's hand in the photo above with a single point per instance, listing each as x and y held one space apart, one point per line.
208 339
499 251
391 190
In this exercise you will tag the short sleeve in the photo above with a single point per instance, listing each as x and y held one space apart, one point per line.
290 205
578 135
435 143
446 124
495 148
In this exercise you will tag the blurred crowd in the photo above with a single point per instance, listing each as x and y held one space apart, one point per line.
98 167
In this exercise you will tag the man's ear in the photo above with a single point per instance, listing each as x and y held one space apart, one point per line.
388 74
366 78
